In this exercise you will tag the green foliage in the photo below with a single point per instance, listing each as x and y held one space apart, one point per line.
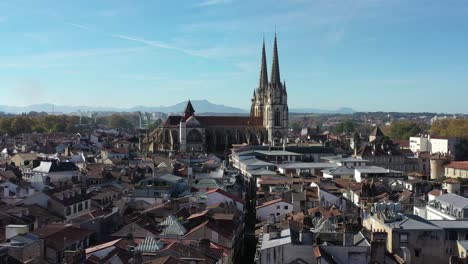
347 126
43 123
296 126
403 129
450 128
37 123
155 124
120 121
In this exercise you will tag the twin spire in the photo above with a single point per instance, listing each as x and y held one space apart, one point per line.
275 72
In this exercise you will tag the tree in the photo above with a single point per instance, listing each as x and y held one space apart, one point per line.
119 121
296 126
450 128
346 126
155 124
404 129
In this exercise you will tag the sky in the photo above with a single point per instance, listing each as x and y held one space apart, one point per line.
370 55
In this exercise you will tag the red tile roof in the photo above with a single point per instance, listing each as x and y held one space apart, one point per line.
435 192
461 165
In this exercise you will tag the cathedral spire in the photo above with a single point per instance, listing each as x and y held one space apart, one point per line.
189 111
263 70
275 72
284 87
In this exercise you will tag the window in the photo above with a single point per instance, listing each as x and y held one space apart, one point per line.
74 208
68 210
80 207
417 252
286 207
403 238
86 204
277 120
277 214
194 136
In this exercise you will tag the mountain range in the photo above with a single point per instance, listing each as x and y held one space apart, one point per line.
201 106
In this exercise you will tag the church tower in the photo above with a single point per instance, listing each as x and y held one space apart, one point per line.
275 118
258 100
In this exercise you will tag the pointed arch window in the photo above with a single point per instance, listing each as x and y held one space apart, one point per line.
277 119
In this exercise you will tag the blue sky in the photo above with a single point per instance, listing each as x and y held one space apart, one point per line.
390 55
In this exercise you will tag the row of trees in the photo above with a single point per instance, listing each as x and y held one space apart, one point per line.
450 128
43 123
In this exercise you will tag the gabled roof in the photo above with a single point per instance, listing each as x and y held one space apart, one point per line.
272 202
227 194
150 244
175 229
189 108
377 132
102 246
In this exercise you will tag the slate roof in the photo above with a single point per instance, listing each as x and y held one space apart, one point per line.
414 222
174 229
211 121
453 199
150 244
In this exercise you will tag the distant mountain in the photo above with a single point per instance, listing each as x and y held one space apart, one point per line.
342 110
201 106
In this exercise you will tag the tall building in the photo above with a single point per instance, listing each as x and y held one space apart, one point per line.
270 99
266 124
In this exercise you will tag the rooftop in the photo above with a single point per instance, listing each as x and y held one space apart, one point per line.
461 165
453 199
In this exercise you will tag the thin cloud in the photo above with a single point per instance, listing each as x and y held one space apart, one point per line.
212 2
3 19
80 26
163 45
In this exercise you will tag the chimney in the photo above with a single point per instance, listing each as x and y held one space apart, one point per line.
6 191
204 246
378 246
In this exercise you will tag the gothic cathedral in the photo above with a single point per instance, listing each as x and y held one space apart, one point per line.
270 100
266 124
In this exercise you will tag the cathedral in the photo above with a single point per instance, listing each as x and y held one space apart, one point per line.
266 124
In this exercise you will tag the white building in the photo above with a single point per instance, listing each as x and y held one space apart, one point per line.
442 145
277 207
220 196
444 207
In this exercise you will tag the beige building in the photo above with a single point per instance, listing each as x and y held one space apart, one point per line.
456 169
411 237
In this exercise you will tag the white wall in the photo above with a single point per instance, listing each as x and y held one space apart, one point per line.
215 197
264 212
327 199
